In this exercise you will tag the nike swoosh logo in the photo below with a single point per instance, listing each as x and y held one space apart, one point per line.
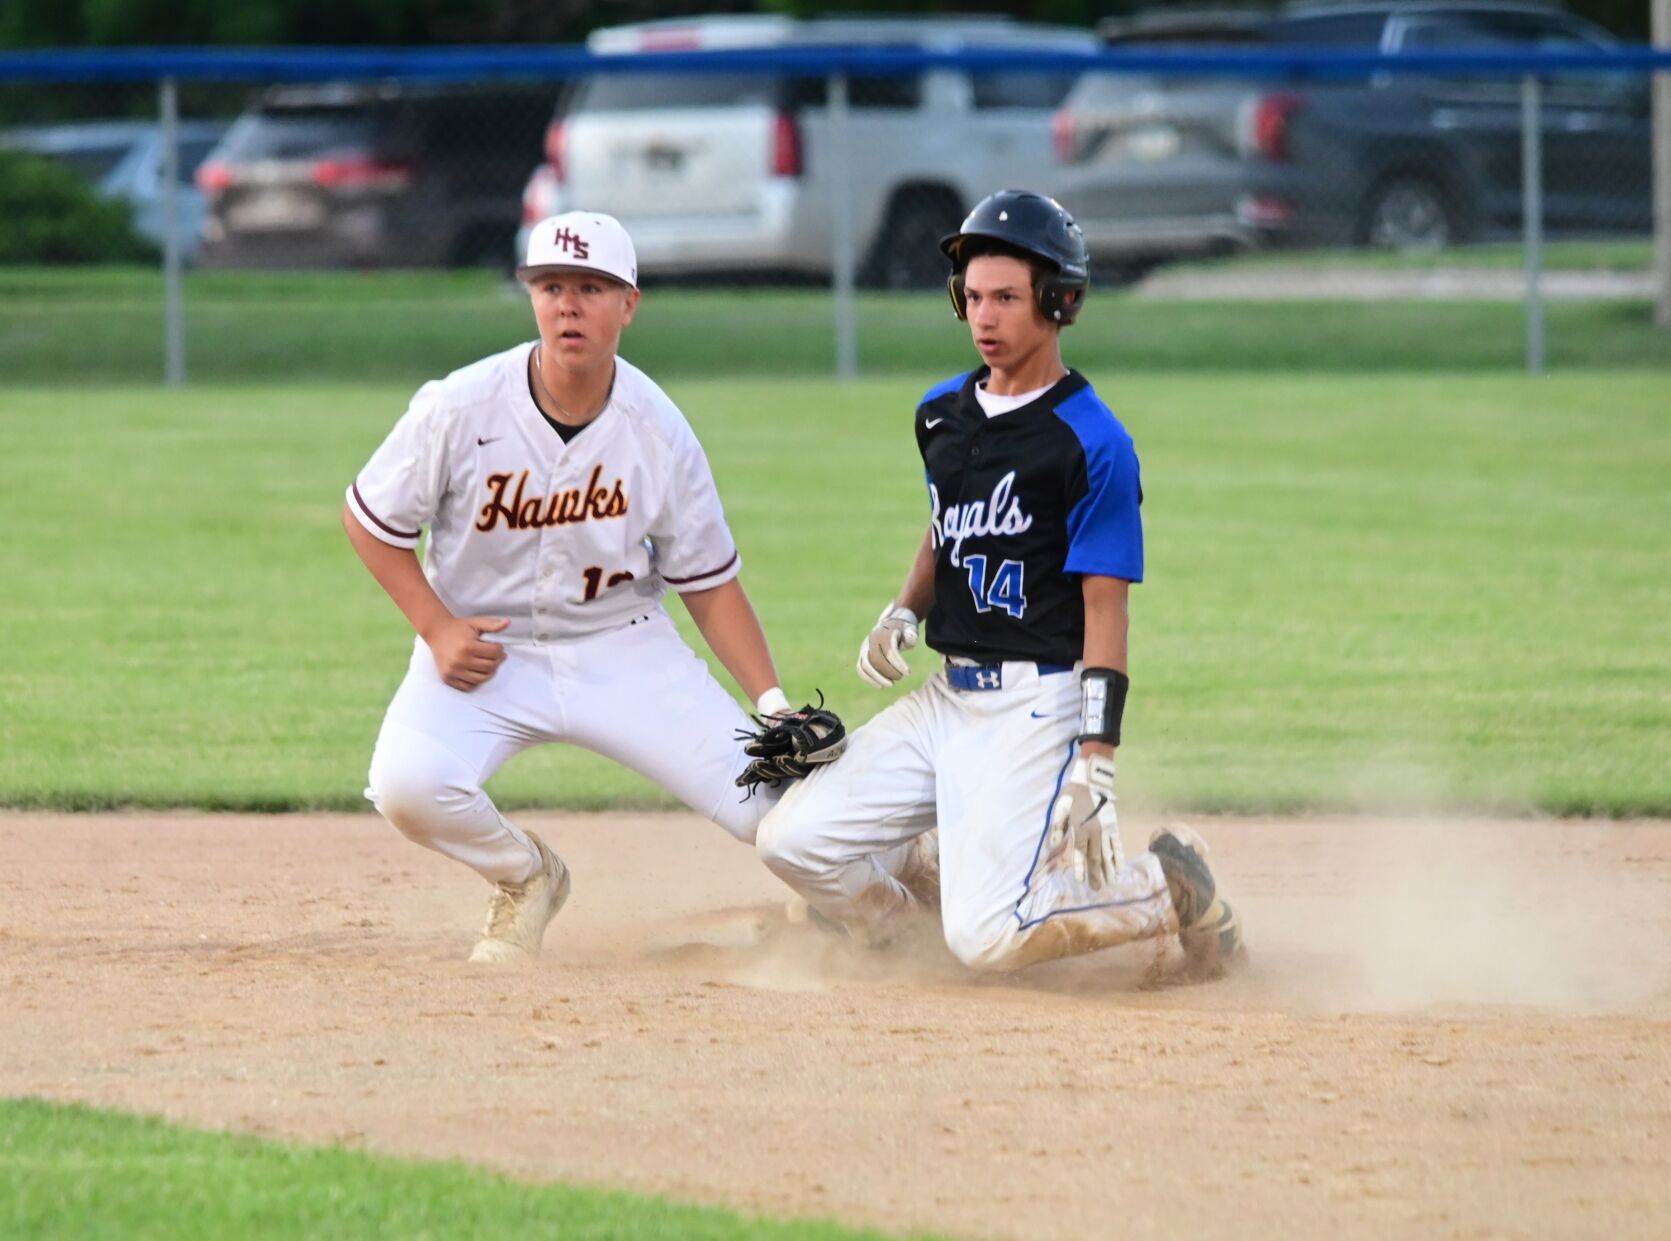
932 423
1102 800
1048 715
489 440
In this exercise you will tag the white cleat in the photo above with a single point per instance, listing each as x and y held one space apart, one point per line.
517 914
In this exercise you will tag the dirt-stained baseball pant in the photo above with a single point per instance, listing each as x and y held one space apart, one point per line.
637 694
985 766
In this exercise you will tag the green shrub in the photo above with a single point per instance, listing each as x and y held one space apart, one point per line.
49 214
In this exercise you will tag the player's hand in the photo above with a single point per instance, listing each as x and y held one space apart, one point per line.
880 661
462 658
1083 820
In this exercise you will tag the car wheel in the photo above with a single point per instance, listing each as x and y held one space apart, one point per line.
1408 214
906 252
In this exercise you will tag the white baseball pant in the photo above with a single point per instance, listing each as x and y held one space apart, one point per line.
638 695
985 766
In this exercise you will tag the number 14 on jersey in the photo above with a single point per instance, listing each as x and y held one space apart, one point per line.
1003 590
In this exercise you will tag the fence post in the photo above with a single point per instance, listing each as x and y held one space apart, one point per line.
1531 204
841 232
1661 88
174 331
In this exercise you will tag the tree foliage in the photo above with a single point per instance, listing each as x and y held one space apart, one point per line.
49 214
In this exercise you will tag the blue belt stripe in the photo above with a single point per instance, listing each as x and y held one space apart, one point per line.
991 676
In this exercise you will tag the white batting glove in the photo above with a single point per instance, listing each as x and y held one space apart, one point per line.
1084 821
880 661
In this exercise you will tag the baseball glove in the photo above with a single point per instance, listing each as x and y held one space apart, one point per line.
787 747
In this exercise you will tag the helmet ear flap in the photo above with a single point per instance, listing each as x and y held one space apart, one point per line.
1060 298
954 286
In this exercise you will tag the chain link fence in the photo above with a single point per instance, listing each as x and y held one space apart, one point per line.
333 212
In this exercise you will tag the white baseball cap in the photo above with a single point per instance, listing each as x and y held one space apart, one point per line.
588 240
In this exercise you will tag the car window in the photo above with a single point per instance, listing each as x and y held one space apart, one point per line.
474 125
302 133
630 92
95 161
193 151
643 92
1529 32
904 91
1330 30
1522 31
1020 90
1210 30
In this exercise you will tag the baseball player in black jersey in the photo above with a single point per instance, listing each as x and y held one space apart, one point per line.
1023 576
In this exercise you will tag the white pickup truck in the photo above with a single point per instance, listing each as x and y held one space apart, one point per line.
733 173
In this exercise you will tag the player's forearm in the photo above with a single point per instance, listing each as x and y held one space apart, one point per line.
727 622
1107 631
399 574
918 591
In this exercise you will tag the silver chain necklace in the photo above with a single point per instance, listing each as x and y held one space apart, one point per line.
572 418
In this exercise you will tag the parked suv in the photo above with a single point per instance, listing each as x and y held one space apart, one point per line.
1172 165
1412 162
720 173
372 176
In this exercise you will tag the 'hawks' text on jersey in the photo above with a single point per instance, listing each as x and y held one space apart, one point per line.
563 538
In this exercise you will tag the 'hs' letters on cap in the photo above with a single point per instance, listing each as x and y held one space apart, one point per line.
568 239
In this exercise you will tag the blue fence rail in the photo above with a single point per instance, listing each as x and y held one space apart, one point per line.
475 64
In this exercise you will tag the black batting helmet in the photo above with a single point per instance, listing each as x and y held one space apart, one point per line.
1038 226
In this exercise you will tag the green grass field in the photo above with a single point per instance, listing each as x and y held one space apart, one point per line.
73 1172
261 328
1365 592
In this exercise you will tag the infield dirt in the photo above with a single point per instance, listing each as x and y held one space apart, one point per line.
1444 1029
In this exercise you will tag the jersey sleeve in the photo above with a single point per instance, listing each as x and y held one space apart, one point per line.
399 490
693 546
1105 523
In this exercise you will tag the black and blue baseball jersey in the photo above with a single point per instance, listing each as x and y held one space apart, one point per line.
1024 503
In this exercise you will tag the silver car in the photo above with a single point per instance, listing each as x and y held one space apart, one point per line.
720 173
1151 166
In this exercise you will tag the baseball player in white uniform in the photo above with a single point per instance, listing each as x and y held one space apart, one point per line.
564 494
1023 577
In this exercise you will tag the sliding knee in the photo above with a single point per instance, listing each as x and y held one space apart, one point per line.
985 945
792 852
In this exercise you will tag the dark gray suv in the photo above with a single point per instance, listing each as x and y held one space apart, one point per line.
372 176
1410 162
1155 167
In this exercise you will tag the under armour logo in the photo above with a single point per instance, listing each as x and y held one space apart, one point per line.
568 239
989 678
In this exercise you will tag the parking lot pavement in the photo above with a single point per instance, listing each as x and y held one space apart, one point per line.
1357 285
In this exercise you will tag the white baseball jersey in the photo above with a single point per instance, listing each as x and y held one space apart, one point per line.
574 542
562 539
